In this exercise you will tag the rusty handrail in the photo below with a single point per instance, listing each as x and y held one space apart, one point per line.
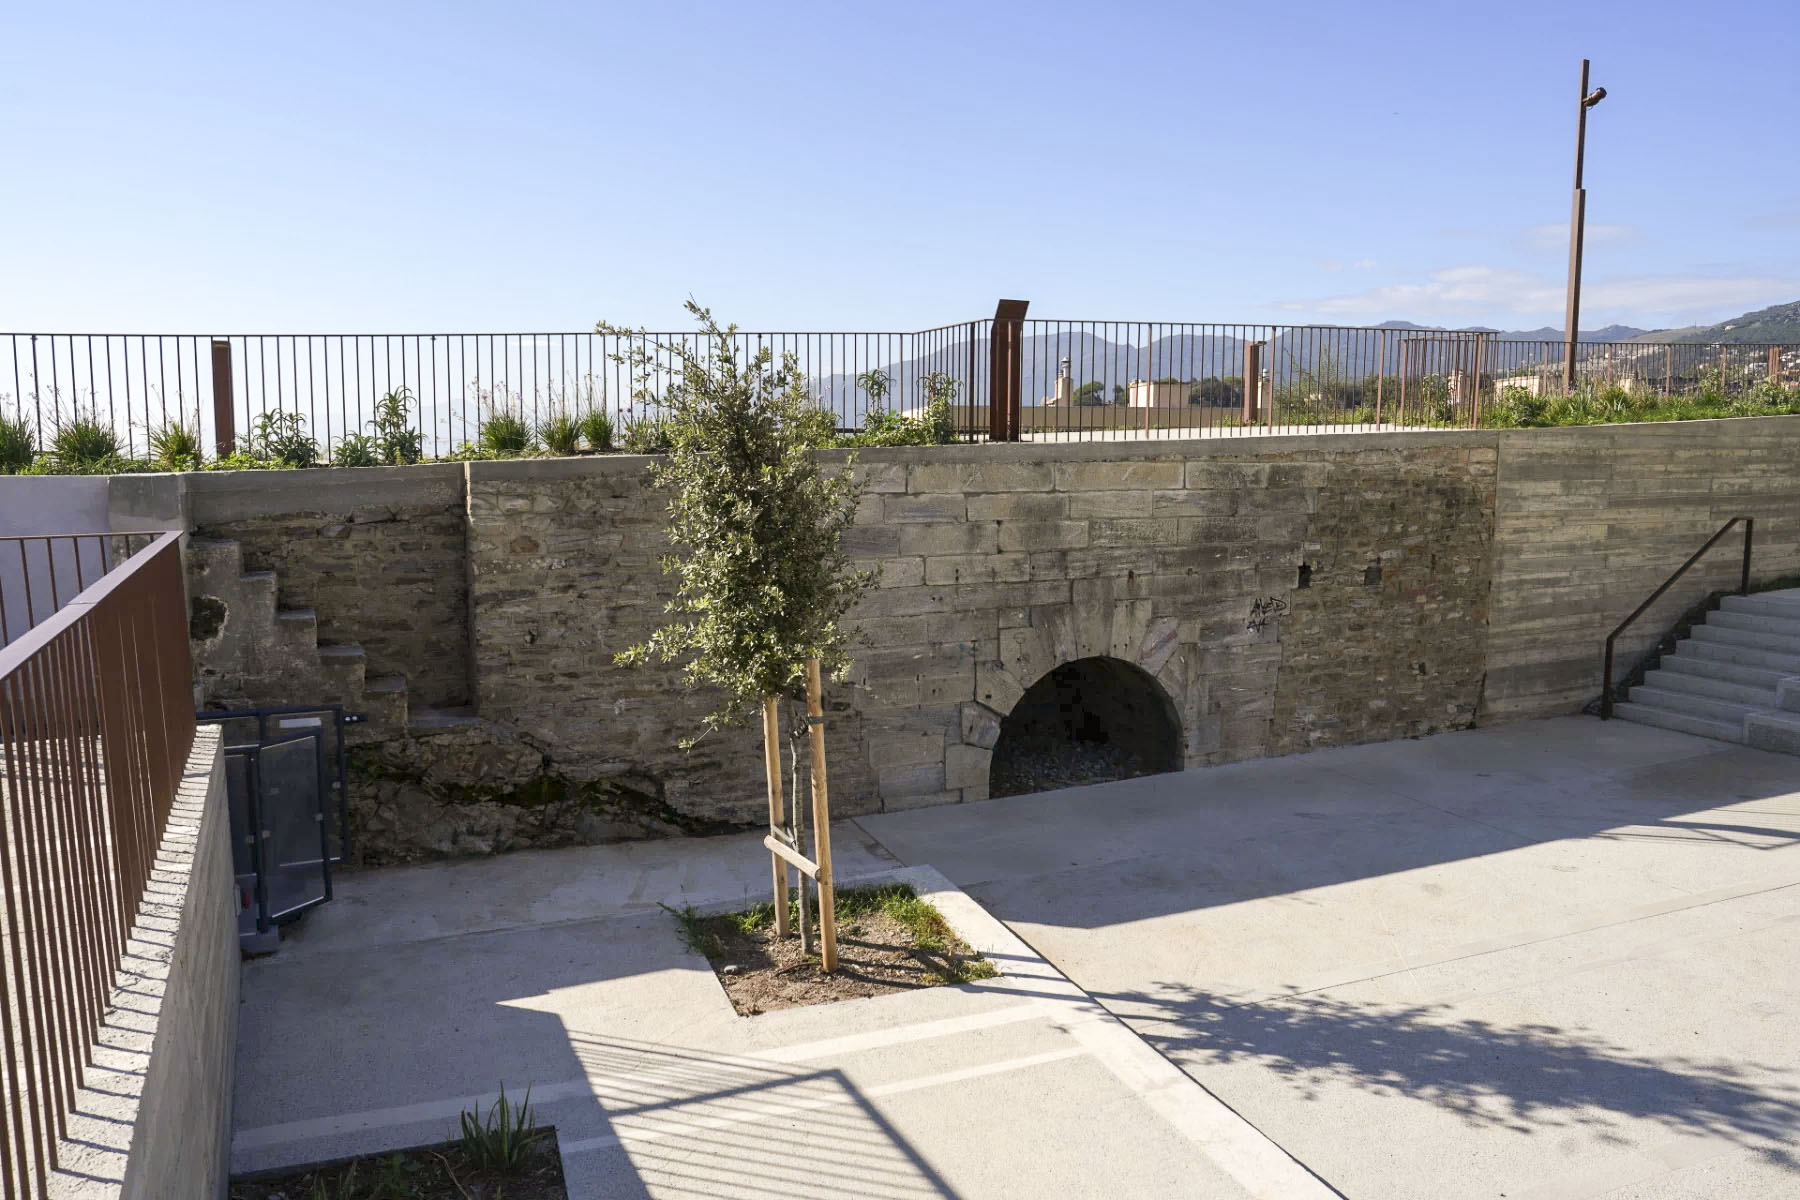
96 724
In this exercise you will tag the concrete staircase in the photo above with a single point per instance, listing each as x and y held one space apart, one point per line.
1735 678
249 652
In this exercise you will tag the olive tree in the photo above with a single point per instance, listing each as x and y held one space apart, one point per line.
764 583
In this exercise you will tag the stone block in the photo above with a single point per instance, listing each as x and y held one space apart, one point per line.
1018 506
1042 535
933 506
966 766
945 538
976 568
980 477
1117 476
1136 503
980 725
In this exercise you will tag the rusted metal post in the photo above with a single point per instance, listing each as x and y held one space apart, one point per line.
1005 387
1775 365
1252 380
1380 374
224 421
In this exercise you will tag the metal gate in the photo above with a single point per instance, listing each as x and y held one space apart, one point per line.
285 787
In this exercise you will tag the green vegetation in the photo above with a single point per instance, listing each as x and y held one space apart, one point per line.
648 435
502 1140
705 933
175 447
16 450
280 439
561 434
357 450
504 433
395 441
597 429
882 426
1607 404
84 442
764 583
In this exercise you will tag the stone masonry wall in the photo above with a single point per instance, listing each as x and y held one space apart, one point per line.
1285 592
998 564
381 558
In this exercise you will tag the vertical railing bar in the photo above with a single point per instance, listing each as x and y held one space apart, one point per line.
21 1067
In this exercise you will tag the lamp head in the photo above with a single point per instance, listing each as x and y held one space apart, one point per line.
1594 97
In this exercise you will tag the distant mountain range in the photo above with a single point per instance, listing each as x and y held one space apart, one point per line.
1779 323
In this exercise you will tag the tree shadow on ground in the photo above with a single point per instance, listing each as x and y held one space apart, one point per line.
1523 1078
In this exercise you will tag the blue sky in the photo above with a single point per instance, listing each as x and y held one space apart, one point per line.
397 167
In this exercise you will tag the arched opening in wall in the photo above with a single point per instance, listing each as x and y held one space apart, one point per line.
1088 721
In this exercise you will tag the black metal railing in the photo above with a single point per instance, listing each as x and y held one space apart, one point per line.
1608 687
1058 380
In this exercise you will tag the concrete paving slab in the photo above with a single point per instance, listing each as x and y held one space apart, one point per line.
1551 959
657 1088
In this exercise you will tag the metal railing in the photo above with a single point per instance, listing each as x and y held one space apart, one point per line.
1608 688
1123 378
39 572
96 723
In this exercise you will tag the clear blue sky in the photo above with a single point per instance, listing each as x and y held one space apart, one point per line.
378 166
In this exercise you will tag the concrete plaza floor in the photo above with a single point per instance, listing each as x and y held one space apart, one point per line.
1546 959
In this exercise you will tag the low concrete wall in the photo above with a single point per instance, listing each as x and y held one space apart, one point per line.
155 1121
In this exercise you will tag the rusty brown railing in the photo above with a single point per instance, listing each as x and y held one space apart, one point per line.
96 723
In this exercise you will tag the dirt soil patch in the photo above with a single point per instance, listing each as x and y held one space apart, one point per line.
888 941
442 1172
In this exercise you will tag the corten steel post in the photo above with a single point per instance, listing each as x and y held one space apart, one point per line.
1577 219
1005 381
224 431
1252 380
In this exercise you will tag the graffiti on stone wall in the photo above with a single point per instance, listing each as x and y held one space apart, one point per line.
1265 610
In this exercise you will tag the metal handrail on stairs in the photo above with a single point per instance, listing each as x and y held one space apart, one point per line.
1606 677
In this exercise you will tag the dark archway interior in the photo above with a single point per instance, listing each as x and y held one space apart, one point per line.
1087 721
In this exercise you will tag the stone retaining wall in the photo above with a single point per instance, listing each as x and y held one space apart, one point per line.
1285 592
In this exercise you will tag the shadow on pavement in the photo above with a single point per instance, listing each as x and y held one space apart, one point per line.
1524 1078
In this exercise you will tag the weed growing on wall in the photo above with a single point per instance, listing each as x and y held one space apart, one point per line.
764 582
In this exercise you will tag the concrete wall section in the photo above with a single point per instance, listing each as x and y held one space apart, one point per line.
1590 521
378 553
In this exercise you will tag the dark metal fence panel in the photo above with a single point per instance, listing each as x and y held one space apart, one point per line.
39 573
1312 377
96 723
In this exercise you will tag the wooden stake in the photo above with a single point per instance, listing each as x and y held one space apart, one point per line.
815 723
777 809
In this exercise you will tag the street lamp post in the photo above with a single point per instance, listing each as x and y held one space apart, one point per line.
1577 219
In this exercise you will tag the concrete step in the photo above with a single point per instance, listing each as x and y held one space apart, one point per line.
221 555
1749 656
1644 714
1782 604
344 669
1761 640
1717 689
1710 707
384 704
423 722
1759 622
1737 673
1777 731
297 630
